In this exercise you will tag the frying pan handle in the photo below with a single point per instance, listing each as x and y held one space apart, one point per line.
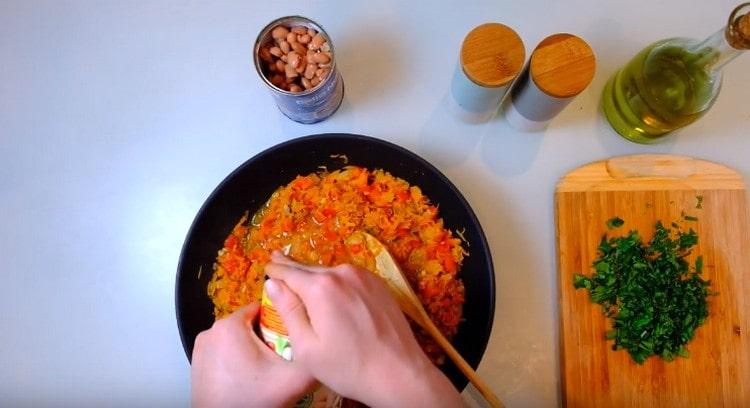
651 165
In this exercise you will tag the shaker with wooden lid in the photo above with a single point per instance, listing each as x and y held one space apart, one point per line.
492 55
560 68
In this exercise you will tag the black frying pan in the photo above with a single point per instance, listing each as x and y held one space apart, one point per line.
250 185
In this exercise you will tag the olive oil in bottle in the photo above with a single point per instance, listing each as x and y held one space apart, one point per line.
672 82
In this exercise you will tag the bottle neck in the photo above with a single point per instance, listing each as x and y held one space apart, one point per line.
715 51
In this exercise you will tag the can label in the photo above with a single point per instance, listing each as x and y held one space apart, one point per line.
272 329
275 335
314 106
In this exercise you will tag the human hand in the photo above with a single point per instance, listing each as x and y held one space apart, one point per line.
232 367
348 331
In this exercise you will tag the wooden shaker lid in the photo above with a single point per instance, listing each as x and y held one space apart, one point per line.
562 65
492 55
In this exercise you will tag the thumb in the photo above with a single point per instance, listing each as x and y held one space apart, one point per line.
290 308
249 313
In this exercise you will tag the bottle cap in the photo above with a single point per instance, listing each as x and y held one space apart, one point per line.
492 55
562 65
738 29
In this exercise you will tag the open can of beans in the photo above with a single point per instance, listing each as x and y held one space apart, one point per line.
295 58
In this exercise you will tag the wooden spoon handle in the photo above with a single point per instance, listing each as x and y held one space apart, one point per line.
409 303
462 365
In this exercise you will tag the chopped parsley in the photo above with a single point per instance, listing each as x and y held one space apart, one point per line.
699 203
655 299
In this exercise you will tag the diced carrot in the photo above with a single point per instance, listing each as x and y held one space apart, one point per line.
288 225
430 290
231 242
266 229
329 212
318 216
365 189
414 244
330 235
302 183
450 264
230 265
255 254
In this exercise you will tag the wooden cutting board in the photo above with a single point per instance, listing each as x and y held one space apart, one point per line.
642 190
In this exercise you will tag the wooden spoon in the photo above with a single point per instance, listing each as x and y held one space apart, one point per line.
409 303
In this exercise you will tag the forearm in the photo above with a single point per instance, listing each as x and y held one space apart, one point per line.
423 387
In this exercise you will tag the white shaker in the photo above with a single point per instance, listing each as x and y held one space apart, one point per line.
492 55
560 68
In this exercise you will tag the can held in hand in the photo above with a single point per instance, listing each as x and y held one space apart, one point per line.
272 329
275 335
296 60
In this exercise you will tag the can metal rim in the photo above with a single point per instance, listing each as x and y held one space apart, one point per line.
265 35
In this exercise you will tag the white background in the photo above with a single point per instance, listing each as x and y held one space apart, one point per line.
117 119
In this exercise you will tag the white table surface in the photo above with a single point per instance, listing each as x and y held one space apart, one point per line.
117 119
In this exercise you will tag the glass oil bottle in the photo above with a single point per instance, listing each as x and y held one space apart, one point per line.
673 82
